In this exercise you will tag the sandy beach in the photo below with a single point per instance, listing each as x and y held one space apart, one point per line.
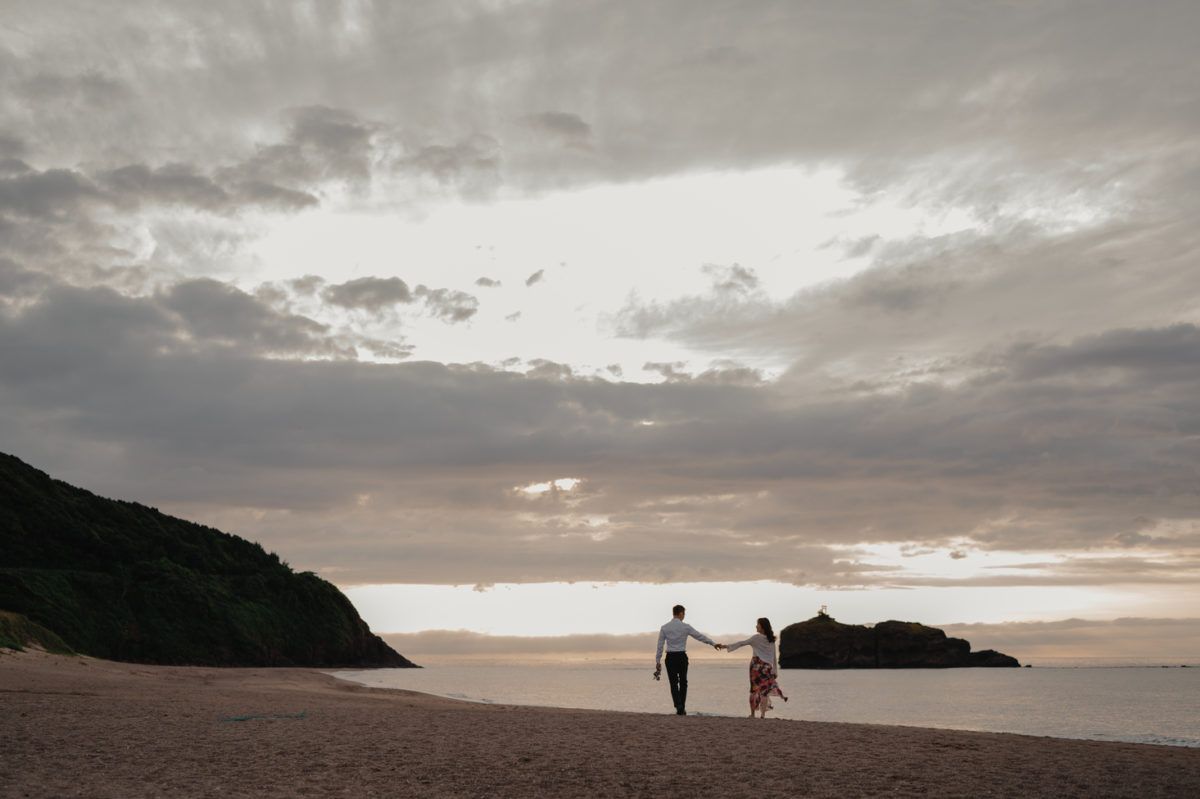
75 726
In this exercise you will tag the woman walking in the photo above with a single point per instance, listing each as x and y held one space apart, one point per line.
763 668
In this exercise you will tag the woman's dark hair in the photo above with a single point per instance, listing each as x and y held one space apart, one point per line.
767 631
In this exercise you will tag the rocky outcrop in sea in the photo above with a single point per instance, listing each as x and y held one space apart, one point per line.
822 642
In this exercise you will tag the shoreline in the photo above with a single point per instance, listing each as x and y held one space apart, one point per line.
964 700
1166 741
76 726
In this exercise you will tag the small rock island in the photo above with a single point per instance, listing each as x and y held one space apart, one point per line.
822 642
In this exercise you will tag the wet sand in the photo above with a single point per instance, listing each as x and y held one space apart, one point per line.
93 728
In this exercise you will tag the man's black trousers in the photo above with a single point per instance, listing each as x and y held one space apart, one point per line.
677 665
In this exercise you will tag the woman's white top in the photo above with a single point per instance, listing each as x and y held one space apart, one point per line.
764 649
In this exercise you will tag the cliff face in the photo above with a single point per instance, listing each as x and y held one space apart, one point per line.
121 581
824 643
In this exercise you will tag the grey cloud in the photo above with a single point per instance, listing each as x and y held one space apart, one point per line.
1171 353
487 282
727 468
925 302
13 166
567 127
1019 86
452 306
721 57
376 294
541 369
322 144
735 278
272 196
89 89
74 204
330 130
393 350
1018 386
215 312
86 332
17 282
307 286
169 184
474 160
75 332
671 371
369 293
46 196
11 147
536 277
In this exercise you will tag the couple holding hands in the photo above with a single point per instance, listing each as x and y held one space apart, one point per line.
763 668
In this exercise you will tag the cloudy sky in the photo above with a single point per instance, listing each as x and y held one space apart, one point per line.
528 318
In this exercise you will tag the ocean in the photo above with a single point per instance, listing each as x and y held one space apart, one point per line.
1109 700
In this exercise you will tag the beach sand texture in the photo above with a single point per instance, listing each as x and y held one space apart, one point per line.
91 728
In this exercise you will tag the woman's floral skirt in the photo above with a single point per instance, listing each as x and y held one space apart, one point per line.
762 684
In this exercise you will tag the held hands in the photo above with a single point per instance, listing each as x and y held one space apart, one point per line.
719 647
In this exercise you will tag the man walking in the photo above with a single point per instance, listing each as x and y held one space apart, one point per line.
674 635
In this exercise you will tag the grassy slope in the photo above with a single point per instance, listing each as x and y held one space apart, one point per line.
123 581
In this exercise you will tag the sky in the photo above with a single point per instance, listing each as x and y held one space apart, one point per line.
520 320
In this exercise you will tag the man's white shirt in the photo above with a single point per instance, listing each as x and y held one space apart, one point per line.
674 635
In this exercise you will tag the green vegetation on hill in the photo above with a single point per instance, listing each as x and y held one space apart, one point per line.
122 581
18 632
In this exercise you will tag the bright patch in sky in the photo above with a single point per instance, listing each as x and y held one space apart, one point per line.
562 484
551 271
550 609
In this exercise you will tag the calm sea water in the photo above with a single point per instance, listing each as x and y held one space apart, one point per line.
1066 698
